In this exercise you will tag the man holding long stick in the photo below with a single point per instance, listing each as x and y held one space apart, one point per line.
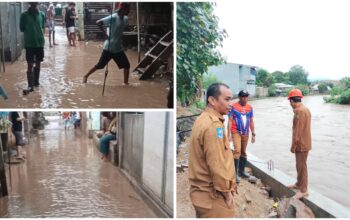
112 48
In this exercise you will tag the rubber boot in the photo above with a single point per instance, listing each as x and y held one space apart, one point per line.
30 78
242 164
236 171
36 77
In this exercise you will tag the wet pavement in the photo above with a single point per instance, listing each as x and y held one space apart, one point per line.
64 177
328 161
61 77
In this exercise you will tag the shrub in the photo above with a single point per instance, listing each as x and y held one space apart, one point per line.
200 105
304 89
272 90
322 88
336 90
345 97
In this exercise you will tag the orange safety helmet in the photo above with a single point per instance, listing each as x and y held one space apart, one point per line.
295 93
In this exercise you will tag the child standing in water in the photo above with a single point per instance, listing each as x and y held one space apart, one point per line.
66 116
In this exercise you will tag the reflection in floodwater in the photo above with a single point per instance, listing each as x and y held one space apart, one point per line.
61 81
328 161
64 177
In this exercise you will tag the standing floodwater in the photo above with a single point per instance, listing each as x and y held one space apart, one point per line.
61 79
328 161
64 177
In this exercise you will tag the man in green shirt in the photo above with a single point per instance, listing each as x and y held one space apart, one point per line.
32 24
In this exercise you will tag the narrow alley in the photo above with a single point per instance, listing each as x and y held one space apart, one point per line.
63 176
61 81
143 40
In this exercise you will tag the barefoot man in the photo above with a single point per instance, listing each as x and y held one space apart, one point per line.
301 141
50 16
112 48
211 163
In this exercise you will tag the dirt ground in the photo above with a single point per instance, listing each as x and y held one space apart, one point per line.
186 111
252 200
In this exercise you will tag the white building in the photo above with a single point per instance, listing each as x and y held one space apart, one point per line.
236 76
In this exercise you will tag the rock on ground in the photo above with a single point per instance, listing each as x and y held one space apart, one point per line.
293 208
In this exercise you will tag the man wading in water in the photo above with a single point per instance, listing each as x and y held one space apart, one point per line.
32 24
112 47
50 15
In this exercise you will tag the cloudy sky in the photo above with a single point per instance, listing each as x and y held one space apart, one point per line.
276 35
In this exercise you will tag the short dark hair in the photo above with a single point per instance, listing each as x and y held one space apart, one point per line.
296 99
33 4
125 5
105 114
72 3
214 90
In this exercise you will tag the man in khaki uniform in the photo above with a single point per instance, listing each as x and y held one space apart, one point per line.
211 163
301 141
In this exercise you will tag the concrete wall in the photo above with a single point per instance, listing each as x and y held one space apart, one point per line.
158 175
145 146
91 123
237 76
10 13
80 22
132 144
322 207
84 123
145 154
261 91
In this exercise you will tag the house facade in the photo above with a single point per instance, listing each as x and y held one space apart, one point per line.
236 76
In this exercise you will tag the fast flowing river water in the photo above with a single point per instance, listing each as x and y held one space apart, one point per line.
328 161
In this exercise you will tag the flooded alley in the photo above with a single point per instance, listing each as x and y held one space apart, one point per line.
63 176
328 161
61 78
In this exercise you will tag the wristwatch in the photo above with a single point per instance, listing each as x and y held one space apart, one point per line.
253 134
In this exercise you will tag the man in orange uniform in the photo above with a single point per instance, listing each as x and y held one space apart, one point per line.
301 141
211 164
240 121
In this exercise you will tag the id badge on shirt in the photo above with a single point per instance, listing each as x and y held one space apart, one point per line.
220 133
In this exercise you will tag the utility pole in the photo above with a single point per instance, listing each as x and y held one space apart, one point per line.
3 182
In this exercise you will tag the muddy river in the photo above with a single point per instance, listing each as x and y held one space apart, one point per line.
65 177
328 162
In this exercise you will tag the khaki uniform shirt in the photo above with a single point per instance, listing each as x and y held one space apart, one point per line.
301 129
211 162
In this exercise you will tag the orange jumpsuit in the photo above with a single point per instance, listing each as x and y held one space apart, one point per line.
211 166
301 144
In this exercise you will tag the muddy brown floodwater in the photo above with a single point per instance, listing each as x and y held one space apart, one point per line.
61 77
328 161
64 177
